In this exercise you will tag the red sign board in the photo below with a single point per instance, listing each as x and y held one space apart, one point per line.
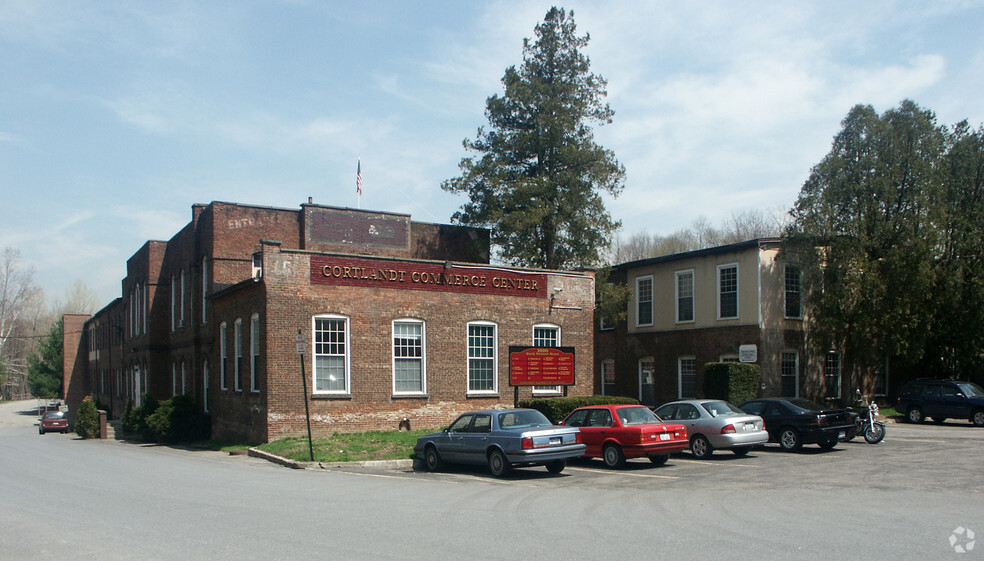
541 366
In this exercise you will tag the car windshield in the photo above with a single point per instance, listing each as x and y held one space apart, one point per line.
721 409
636 415
804 404
54 415
522 419
970 389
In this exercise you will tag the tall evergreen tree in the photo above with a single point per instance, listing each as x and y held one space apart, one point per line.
539 175
44 369
865 231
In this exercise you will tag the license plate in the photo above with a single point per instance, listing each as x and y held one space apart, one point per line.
842 434
555 441
664 436
749 427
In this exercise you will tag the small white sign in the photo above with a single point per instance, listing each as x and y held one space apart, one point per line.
748 353
299 340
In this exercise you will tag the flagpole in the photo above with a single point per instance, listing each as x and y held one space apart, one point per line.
358 183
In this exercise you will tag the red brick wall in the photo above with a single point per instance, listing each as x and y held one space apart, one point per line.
75 356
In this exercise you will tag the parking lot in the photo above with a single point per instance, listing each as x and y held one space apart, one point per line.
924 457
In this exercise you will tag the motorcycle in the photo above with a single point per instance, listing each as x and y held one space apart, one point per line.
866 423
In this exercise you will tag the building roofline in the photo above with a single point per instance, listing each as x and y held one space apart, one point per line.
705 252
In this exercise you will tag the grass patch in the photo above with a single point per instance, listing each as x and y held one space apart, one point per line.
349 447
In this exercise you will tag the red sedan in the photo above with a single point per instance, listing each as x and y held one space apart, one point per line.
616 432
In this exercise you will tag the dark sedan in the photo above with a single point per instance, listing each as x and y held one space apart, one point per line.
793 422
501 439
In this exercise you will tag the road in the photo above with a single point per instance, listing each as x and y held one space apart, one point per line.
65 498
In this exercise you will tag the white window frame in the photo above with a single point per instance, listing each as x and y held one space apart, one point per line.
639 367
254 353
827 368
730 357
181 309
693 297
737 291
639 302
223 356
421 360
204 290
547 390
205 384
786 292
238 349
345 355
680 363
174 379
494 358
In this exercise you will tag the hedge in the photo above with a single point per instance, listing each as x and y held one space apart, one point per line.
558 408
735 382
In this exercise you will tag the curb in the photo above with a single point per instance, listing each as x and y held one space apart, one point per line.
368 464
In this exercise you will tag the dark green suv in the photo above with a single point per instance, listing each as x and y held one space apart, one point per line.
942 400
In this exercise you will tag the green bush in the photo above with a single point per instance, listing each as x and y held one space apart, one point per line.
558 408
87 421
735 382
134 422
177 420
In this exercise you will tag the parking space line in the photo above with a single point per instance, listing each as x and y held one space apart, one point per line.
633 474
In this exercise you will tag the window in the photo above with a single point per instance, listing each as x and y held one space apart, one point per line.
181 302
174 378
687 372
789 369
728 292
608 377
223 356
647 381
254 353
257 265
331 354
481 358
832 375
205 385
204 289
792 281
174 303
729 358
684 296
408 357
546 336
238 346
644 301
184 379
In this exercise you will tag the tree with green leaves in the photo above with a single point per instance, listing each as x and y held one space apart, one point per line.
887 229
44 369
539 174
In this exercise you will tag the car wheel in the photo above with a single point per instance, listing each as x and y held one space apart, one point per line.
432 458
613 456
789 439
741 451
828 444
939 420
659 459
978 418
701 448
556 466
498 464
915 415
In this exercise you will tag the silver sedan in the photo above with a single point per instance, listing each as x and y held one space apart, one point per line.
713 424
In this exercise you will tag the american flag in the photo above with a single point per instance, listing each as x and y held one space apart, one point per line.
358 178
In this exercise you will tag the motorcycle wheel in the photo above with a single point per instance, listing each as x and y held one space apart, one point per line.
875 433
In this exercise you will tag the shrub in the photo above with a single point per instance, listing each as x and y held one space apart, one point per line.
557 408
736 382
87 421
177 420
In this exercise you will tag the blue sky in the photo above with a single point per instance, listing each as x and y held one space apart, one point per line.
116 117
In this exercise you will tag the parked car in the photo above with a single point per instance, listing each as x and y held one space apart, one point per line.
793 422
53 421
942 400
713 424
616 432
501 439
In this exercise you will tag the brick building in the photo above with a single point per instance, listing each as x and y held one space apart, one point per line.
392 319
727 303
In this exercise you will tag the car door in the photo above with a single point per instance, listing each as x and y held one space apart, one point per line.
953 404
689 416
597 428
452 451
932 401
